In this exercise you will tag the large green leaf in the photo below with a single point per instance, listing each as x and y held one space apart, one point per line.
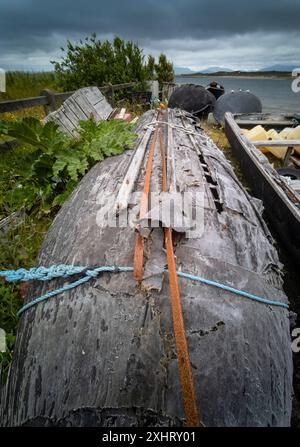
27 131
45 154
3 127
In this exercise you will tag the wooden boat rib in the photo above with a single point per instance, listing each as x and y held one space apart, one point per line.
267 119
103 354
281 201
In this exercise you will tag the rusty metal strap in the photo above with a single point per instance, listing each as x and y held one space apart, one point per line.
184 364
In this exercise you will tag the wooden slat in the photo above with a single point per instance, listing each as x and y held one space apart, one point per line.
79 112
63 96
25 103
139 241
17 104
133 172
296 161
98 103
99 109
272 143
67 118
122 86
83 103
288 153
171 170
264 123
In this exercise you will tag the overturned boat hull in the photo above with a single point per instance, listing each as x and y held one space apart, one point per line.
104 354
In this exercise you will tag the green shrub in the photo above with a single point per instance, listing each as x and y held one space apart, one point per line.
47 164
92 62
38 176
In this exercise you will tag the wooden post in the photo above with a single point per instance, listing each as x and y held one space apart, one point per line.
112 95
287 155
167 90
51 105
154 88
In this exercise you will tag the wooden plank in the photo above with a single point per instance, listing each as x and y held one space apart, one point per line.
98 102
296 161
167 89
72 104
295 184
171 171
133 171
287 156
63 96
264 123
83 104
69 118
17 104
123 86
24 103
64 123
80 106
83 107
87 107
281 143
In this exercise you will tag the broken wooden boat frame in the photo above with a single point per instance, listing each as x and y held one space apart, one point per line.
281 201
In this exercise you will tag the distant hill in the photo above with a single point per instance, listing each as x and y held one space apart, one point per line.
254 74
182 70
280 67
272 69
215 70
188 71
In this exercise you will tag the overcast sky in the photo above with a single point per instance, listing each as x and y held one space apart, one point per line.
197 34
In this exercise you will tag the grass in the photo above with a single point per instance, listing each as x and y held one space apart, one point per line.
19 247
21 84
28 84
25 85
36 177
217 134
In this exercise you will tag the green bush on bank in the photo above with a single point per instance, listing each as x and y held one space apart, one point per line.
92 62
37 177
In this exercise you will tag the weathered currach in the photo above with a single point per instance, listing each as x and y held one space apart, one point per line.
104 354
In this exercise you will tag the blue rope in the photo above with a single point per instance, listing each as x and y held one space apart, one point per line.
89 274
248 295
63 271
41 273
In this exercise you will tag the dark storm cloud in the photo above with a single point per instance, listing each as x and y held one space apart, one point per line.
24 21
35 26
